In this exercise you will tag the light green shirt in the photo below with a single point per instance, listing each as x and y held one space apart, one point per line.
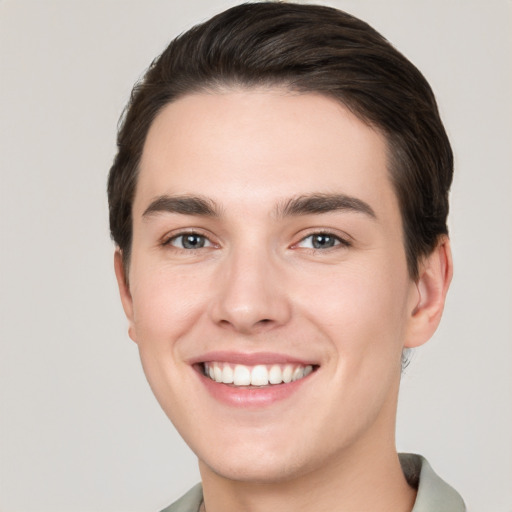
434 494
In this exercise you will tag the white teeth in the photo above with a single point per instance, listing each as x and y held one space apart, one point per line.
217 373
241 375
287 373
275 375
258 375
227 374
298 373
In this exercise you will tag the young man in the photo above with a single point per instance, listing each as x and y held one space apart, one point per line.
279 203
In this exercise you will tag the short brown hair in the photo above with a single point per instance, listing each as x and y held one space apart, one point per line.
305 48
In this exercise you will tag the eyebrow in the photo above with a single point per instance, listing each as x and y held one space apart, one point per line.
324 203
185 205
311 204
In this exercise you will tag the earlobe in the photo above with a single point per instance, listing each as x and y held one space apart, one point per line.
435 275
124 292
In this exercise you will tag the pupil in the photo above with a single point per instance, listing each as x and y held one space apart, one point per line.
193 241
321 241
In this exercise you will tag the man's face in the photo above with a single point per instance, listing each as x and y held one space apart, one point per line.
267 245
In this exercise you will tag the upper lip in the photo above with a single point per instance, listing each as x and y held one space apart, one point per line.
250 359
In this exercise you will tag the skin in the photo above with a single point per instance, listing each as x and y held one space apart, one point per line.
258 285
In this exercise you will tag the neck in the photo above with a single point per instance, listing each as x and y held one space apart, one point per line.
371 481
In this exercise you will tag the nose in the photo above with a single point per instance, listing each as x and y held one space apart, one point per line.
251 293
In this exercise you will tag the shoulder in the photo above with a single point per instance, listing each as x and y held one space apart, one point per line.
434 494
189 502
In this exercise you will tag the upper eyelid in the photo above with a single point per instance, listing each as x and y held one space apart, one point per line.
173 235
344 238
344 241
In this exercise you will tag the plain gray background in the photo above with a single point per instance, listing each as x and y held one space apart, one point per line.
79 428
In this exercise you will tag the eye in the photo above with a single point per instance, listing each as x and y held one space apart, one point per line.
189 241
321 241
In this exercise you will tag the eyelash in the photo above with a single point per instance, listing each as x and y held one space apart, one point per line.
168 241
337 241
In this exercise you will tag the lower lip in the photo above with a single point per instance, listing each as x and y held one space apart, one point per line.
250 397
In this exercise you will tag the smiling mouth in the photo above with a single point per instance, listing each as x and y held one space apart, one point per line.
257 375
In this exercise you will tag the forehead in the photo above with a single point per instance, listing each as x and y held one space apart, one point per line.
262 145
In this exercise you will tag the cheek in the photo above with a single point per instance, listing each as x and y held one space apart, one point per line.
166 308
359 308
166 305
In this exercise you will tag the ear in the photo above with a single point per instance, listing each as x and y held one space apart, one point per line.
124 292
435 275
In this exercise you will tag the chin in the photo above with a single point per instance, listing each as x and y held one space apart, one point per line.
258 470
258 462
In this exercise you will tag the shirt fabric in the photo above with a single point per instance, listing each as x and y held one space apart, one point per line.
434 494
